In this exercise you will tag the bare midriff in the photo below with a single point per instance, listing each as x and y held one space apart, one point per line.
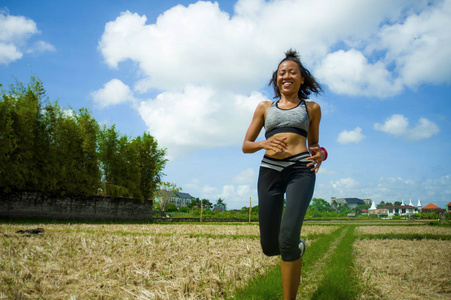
295 144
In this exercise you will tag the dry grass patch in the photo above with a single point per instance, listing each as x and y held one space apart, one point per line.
317 229
403 230
183 229
404 269
63 265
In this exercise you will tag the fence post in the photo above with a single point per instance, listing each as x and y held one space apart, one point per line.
250 208
201 209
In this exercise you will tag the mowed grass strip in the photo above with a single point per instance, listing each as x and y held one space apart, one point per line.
340 281
269 285
314 273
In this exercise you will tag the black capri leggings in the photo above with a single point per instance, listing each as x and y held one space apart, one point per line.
281 235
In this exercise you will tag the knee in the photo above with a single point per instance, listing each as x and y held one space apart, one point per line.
289 248
270 249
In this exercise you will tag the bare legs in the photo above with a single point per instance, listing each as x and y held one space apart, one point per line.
291 275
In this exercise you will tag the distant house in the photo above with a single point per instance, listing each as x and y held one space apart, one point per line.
431 207
350 202
181 199
404 210
396 210
448 207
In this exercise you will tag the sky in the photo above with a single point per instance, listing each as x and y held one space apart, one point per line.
191 73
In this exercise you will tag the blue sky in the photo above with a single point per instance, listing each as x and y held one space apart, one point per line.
191 73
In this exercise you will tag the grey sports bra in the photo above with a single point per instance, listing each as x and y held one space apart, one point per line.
295 120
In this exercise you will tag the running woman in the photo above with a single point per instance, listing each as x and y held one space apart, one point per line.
288 166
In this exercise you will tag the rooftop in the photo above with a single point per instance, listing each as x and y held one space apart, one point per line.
430 206
396 206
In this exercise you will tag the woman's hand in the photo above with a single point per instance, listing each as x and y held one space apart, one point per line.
276 144
317 158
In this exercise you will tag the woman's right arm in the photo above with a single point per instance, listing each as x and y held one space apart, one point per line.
258 121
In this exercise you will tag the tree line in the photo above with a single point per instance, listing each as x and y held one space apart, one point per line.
46 148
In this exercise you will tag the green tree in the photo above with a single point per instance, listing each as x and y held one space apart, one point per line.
171 207
129 175
197 202
68 148
320 205
19 119
220 204
111 162
50 149
165 192
89 131
10 176
151 162
207 204
194 202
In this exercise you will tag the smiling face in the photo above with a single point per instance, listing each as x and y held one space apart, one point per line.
289 78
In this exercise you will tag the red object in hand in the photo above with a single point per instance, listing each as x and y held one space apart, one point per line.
325 151
321 149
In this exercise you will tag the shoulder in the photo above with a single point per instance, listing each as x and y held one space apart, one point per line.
312 105
313 108
263 106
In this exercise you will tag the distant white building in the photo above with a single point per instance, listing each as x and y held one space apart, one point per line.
181 199
395 210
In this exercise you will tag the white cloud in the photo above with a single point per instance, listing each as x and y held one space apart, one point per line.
16 28
349 72
198 117
326 171
192 185
390 189
40 47
343 187
431 190
398 125
354 136
235 196
113 92
202 45
198 44
238 196
15 31
420 46
207 64
9 53
209 192
246 176
347 183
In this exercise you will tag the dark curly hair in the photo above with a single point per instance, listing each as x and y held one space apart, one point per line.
310 84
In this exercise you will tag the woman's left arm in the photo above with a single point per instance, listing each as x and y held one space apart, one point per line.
318 156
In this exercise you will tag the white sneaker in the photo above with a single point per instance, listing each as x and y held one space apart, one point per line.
302 247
